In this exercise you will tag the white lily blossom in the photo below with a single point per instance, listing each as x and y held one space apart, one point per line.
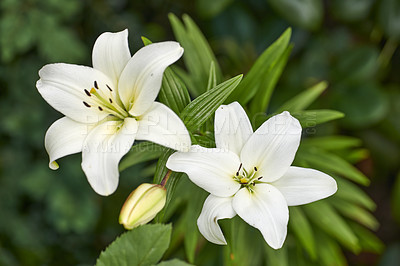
250 174
109 105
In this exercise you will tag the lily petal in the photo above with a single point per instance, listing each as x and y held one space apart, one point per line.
232 127
63 87
265 209
211 169
214 209
140 80
64 137
272 146
302 185
103 149
162 126
111 54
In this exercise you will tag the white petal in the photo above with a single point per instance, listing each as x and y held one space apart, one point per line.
272 146
103 149
232 127
64 137
63 87
140 81
214 209
111 54
162 126
302 185
211 169
265 209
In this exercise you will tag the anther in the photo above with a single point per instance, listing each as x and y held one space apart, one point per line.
110 100
259 178
87 93
240 166
101 109
95 85
109 87
86 104
237 173
255 168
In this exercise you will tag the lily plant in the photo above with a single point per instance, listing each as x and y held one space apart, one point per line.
109 106
250 174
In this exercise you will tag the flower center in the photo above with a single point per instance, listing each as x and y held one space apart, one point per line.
105 99
247 178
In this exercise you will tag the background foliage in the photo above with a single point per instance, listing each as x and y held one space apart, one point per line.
54 217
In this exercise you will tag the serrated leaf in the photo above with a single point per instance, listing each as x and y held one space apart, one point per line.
300 225
311 118
330 162
174 262
304 99
331 143
173 92
268 82
198 54
143 245
139 153
203 107
253 79
352 193
326 218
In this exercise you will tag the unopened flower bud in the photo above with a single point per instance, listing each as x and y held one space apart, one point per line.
142 205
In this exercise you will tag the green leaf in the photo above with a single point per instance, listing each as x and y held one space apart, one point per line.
326 161
174 262
352 193
304 99
146 41
261 100
203 107
142 152
368 240
332 143
254 78
212 77
143 245
355 213
198 54
329 252
306 14
300 225
395 200
173 92
326 218
388 17
211 8
277 257
311 118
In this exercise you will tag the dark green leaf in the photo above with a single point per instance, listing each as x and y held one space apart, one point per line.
139 153
352 193
311 118
368 241
299 223
143 245
331 143
174 262
389 18
329 252
203 107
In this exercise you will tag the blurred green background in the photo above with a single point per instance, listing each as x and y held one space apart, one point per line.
54 217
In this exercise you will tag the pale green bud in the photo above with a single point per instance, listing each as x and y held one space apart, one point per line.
142 205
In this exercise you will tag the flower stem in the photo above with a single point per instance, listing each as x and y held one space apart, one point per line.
165 179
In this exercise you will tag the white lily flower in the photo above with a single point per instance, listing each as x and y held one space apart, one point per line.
110 105
250 174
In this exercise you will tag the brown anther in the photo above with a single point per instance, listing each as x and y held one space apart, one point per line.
110 100
240 166
259 178
101 109
95 85
87 93
255 168
86 104
109 87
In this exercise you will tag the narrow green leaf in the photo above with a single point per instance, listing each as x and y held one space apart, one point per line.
143 245
261 100
329 251
277 257
198 54
254 78
311 118
304 99
332 143
203 107
212 77
330 162
146 41
173 92
174 262
139 153
326 218
355 213
368 240
352 193
300 225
